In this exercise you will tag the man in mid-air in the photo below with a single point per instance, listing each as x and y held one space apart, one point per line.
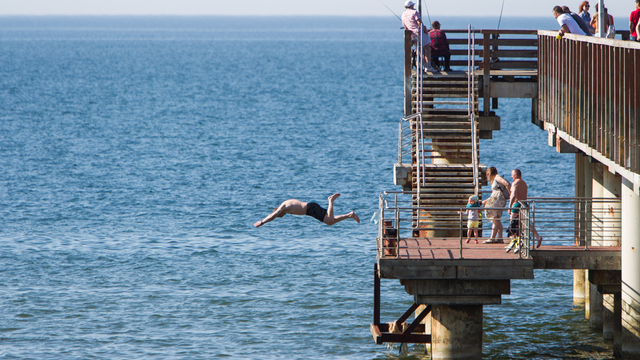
297 207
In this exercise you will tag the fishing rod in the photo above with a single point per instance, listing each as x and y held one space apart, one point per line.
500 19
427 9
385 5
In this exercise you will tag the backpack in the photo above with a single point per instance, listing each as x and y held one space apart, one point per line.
611 32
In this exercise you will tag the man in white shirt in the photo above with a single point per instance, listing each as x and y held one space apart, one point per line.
566 22
412 22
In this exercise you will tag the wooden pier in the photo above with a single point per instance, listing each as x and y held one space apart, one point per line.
584 93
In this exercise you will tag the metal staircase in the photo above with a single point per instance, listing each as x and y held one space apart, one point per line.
441 142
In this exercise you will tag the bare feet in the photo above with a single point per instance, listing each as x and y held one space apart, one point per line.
354 216
258 223
334 197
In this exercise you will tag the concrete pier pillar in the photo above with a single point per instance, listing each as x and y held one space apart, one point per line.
630 272
587 295
581 163
597 192
578 286
610 237
617 331
611 211
427 324
608 317
593 308
587 169
456 332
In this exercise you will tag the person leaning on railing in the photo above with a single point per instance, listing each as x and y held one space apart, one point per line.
439 46
566 22
583 25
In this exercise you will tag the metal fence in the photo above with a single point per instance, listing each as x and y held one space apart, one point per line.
580 223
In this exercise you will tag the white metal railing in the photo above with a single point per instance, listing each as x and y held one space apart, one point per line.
581 223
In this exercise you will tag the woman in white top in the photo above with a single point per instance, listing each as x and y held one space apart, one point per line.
499 194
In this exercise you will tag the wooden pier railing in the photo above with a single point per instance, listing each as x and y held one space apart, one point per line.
588 88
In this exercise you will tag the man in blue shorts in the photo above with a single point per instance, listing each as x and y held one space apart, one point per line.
297 207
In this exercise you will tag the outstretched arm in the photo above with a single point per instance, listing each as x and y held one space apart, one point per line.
279 212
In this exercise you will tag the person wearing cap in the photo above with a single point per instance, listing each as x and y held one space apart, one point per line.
419 34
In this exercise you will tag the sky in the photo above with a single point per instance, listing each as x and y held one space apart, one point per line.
620 9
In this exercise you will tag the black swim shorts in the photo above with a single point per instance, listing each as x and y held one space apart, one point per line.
316 211
514 227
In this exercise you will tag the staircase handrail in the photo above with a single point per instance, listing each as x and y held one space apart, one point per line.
420 154
471 105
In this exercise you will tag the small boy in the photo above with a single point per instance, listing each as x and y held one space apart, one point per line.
473 217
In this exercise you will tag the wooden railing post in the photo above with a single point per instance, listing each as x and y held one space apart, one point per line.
486 72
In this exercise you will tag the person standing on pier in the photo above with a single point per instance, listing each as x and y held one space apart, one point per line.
608 21
473 217
412 22
567 24
585 15
634 24
297 207
519 191
498 199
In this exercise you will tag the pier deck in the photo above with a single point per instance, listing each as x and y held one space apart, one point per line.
439 258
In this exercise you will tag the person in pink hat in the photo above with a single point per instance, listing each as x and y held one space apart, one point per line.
419 33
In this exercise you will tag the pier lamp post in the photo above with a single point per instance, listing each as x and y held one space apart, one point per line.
601 14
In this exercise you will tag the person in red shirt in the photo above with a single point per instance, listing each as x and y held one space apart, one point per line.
440 46
634 24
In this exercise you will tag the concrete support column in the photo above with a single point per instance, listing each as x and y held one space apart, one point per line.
581 162
617 331
593 308
456 332
597 191
587 296
578 286
427 324
611 211
587 169
610 237
608 317
630 272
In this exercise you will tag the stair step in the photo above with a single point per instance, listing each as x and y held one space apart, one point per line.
441 96
443 102
440 117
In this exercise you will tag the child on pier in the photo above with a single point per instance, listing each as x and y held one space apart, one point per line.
473 217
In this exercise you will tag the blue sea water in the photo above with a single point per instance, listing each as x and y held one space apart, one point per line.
137 152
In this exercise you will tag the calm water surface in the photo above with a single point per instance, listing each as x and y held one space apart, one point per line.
136 153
